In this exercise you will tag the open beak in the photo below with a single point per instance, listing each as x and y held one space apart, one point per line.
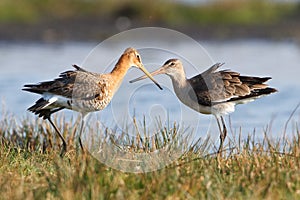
141 67
161 70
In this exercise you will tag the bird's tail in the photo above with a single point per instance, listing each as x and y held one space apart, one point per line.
256 93
40 108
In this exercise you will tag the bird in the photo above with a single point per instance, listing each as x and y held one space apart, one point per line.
214 91
82 91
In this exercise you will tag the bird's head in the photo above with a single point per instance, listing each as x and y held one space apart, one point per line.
134 59
172 67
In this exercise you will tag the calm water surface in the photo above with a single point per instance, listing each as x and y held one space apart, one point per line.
33 62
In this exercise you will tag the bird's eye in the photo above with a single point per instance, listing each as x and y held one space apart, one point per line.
138 56
172 64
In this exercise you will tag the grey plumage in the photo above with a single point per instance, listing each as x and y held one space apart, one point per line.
213 92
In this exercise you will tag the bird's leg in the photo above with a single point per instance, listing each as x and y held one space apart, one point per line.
224 128
223 133
221 138
80 132
64 149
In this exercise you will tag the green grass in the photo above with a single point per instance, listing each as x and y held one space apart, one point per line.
245 12
30 167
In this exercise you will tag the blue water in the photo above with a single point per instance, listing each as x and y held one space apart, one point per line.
33 62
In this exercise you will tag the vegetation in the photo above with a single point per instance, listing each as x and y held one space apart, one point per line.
220 12
61 20
30 167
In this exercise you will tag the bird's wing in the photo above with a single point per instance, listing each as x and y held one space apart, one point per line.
76 84
79 68
198 90
214 87
207 87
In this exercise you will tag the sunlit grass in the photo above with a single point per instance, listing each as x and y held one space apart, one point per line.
30 166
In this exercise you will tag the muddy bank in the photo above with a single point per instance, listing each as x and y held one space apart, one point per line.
97 30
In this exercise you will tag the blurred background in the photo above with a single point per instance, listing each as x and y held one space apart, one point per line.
40 39
89 20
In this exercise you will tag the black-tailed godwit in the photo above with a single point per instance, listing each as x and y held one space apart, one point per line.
213 92
82 91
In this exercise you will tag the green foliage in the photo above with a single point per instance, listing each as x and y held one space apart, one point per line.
17 11
234 12
244 12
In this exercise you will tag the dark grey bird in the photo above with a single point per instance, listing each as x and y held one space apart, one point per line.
213 92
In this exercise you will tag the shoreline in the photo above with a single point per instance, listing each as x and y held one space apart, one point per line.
90 31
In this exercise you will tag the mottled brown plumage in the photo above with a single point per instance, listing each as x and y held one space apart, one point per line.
81 90
84 91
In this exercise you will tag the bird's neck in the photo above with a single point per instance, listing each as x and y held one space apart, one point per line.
119 72
179 79
181 87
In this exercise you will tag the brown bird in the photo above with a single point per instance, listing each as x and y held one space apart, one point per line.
82 91
213 92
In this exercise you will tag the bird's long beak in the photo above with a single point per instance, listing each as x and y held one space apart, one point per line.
141 67
160 70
